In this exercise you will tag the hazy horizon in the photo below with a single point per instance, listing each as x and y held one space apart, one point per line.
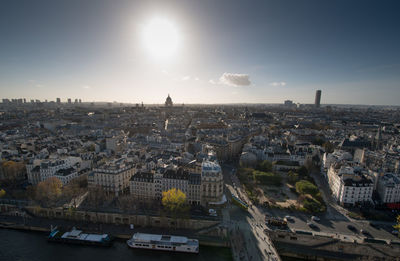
201 52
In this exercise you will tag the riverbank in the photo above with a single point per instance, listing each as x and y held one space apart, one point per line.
115 231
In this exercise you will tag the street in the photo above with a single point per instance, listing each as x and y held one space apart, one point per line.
246 227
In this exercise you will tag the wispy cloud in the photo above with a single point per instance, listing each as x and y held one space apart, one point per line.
278 83
179 77
86 86
233 79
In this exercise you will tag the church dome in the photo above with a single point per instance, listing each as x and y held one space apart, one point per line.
168 102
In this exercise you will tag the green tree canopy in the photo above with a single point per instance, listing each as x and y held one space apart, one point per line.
267 178
313 205
306 187
293 177
302 171
265 166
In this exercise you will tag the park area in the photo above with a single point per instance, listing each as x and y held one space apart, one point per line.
294 190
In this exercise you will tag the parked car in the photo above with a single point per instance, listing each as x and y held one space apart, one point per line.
365 233
352 228
289 219
373 225
312 225
212 212
315 218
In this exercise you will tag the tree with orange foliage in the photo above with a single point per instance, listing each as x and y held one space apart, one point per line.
48 191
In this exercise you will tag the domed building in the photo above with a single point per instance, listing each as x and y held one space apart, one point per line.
168 102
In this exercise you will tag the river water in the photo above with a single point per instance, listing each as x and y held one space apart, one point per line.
31 246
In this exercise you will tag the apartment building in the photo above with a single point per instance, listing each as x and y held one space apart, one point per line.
112 176
200 188
211 182
350 185
389 188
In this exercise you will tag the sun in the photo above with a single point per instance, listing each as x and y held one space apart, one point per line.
160 38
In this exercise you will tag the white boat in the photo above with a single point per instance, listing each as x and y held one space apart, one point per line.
164 242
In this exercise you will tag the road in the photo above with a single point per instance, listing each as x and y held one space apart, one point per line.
326 224
246 227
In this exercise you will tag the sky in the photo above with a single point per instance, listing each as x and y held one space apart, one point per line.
208 51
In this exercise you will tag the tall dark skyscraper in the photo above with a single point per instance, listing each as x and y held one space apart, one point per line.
318 98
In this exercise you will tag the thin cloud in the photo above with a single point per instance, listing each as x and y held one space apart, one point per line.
278 83
86 87
185 78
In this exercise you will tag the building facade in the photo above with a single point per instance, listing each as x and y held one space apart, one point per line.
200 188
350 186
113 177
389 188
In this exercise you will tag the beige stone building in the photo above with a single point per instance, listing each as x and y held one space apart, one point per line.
201 187
211 182
113 176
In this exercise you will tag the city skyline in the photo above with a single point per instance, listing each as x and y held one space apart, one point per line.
201 52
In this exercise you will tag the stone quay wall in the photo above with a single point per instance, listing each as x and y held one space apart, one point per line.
110 218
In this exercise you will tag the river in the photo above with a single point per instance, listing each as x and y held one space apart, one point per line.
32 246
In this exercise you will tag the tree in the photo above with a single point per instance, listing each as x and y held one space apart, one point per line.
174 200
303 171
397 226
293 177
2 193
12 171
306 187
48 191
265 166
96 197
267 178
318 141
245 175
329 147
313 205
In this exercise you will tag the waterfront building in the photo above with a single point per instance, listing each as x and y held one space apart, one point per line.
201 188
211 182
40 170
66 175
112 176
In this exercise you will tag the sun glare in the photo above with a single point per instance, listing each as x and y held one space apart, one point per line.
160 38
